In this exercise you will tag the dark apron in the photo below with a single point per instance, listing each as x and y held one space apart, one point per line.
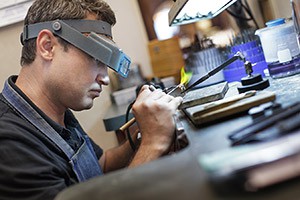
84 161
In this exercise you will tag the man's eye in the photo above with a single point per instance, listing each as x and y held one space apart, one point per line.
98 62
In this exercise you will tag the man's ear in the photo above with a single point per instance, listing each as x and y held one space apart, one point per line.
45 44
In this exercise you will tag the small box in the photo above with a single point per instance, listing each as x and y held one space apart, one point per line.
125 96
166 58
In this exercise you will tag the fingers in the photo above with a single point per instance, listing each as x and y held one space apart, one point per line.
150 93
145 91
145 88
175 103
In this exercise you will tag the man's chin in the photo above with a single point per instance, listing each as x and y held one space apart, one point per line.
85 106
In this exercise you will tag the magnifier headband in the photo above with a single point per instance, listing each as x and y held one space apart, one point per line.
100 48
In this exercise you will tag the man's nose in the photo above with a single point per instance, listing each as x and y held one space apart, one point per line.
102 79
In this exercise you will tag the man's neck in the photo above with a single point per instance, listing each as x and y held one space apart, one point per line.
33 89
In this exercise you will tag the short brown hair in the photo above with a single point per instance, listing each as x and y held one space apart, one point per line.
49 10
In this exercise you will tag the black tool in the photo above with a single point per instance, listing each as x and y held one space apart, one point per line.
288 118
237 56
252 81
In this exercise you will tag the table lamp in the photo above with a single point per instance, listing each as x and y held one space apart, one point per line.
188 11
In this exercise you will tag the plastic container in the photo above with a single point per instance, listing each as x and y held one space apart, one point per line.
280 47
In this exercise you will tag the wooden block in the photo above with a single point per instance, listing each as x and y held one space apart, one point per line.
237 107
205 95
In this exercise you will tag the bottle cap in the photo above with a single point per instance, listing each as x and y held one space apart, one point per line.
275 22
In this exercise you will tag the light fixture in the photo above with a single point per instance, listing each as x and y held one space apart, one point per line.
188 11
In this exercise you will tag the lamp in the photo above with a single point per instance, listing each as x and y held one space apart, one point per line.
188 11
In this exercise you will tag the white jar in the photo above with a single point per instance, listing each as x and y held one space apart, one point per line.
280 46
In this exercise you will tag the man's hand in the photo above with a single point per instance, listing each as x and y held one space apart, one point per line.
154 111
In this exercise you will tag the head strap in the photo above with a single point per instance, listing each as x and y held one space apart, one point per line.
99 47
31 31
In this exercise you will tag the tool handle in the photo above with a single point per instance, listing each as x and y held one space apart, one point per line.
127 124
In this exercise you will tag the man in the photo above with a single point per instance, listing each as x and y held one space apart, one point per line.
43 148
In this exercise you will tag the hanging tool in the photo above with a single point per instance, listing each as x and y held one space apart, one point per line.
237 56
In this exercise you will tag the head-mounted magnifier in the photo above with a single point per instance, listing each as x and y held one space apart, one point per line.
99 47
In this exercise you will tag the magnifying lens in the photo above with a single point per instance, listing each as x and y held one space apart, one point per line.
95 44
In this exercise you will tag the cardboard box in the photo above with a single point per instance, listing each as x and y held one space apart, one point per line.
166 58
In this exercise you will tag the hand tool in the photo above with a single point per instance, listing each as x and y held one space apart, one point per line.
132 120
237 56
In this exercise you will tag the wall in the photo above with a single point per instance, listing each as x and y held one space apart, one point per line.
281 8
129 34
10 51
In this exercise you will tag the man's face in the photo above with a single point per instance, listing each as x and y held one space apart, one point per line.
76 79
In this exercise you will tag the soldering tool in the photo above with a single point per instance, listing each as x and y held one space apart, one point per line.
170 91
237 56
180 90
